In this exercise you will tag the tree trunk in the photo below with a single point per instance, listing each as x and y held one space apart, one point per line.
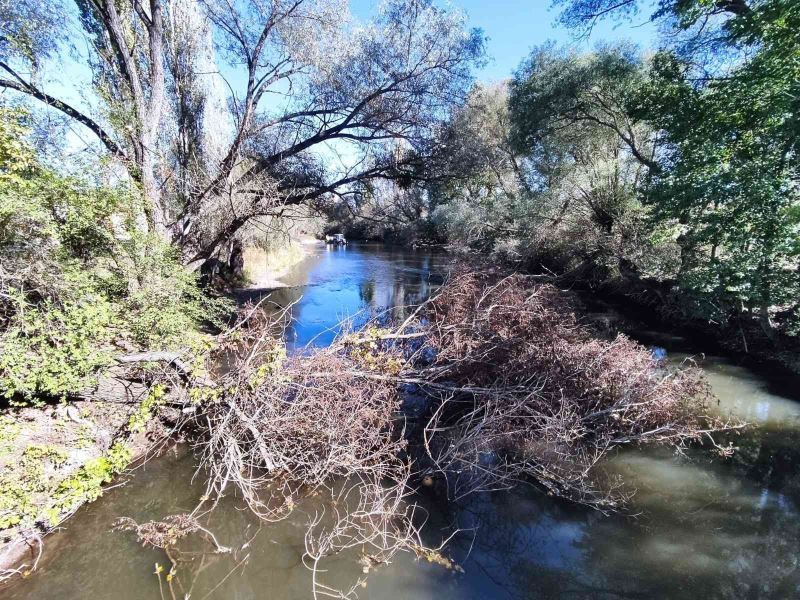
236 261
767 326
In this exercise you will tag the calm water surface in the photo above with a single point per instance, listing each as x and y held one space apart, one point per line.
338 282
702 527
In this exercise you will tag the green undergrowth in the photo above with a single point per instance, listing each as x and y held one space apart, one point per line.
43 488
81 278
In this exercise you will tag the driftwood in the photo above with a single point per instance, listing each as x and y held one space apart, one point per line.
119 384
115 385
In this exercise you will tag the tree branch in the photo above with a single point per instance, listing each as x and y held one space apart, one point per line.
31 90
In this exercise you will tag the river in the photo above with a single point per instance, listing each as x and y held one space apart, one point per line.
698 526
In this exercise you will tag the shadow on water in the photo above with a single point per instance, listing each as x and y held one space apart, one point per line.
701 526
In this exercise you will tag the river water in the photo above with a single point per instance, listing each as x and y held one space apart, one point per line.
697 527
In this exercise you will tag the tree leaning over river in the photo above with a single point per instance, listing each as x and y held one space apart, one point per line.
378 91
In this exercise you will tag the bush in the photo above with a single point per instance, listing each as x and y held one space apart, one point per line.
79 277
53 351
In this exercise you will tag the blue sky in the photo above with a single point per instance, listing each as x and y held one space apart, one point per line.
515 26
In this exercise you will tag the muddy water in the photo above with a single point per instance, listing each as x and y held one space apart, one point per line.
702 526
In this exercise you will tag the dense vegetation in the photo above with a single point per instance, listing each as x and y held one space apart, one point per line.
79 281
678 167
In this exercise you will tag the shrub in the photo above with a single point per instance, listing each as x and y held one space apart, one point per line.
54 351
77 273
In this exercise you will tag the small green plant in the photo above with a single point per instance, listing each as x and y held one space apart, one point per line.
365 348
87 484
37 455
16 504
271 365
85 437
155 399
9 432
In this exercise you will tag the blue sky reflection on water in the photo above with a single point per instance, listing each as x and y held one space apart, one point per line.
354 282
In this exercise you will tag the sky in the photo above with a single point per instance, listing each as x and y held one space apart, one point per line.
513 27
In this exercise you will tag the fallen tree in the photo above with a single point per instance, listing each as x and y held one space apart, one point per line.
508 386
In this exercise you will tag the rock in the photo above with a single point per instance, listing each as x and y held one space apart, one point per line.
74 414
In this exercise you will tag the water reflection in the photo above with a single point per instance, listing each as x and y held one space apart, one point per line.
355 282
702 527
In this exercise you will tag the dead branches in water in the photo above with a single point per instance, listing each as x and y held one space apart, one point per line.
508 385
277 428
286 425
552 399
166 535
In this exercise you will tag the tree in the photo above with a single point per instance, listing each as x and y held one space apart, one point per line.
375 93
482 178
554 92
730 180
588 155
725 96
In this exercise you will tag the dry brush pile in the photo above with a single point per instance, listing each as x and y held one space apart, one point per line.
512 387
547 398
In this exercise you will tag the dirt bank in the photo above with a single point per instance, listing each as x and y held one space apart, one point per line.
265 268
54 459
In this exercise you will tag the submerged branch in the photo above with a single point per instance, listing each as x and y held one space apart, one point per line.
512 387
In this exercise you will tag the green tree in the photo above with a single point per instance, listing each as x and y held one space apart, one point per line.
724 95
589 155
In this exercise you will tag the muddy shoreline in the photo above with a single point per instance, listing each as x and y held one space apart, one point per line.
20 550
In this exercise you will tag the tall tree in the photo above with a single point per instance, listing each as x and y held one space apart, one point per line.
570 114
313 87
727 107
559 91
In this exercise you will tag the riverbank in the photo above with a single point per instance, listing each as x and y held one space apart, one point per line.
56 458
265 268
659 305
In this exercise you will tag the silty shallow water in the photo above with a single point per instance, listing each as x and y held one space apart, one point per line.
704 527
